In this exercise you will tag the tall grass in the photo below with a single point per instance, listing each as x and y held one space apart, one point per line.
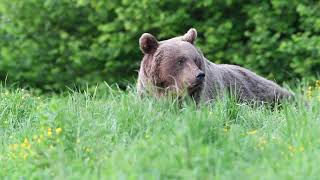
116 135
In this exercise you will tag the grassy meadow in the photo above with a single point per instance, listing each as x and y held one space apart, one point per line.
113 134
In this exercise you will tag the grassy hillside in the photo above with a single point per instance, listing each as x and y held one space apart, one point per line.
116 135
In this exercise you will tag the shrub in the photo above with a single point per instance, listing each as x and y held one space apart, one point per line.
51 44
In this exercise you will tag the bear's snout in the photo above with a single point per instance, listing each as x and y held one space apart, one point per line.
200 76
198 81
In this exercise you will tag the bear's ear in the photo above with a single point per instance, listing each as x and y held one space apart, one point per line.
190 36
148 43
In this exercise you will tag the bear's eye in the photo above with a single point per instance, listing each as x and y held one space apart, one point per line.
197 61
181 60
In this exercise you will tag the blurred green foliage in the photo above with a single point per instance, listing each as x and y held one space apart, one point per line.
51 44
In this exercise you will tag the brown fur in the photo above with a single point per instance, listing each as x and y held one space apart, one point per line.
176 65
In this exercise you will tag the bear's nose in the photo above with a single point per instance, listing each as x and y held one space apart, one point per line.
200 76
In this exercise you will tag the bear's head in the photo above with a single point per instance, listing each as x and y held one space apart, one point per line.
173 65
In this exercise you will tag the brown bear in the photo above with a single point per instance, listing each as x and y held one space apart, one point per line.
176 65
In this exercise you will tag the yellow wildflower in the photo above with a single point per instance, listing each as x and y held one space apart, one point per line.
26 143
78 141
35 137
58 130
25 155
291 149
309 92
318 84
301 149
252 132
49 132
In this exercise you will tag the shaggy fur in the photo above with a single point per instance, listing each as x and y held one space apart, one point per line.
176 65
